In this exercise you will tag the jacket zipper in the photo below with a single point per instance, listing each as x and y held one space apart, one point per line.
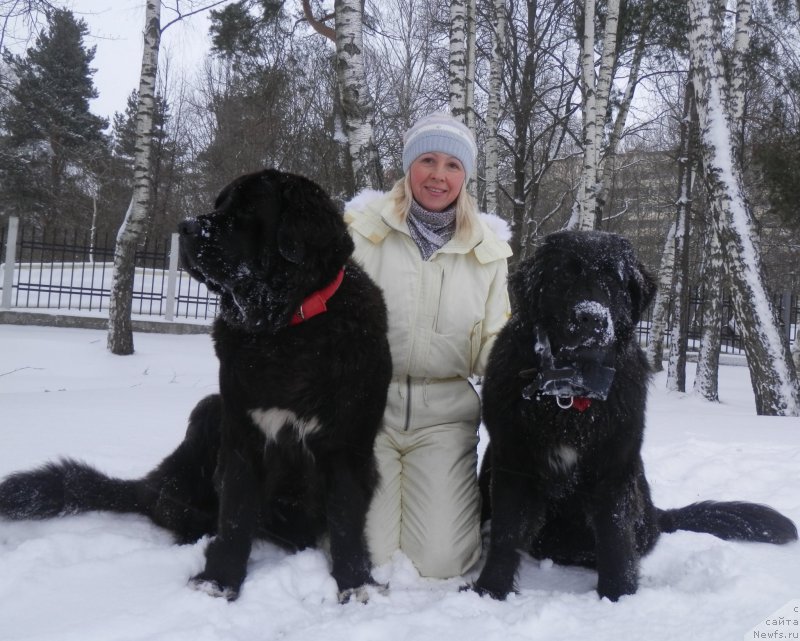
408 403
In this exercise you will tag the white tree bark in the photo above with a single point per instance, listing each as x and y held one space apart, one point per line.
610 151
357 105
493 107
706 379
658 323
608 61
469 81
120 332
741 43
771 369
457 67
676 371
676 365
461 68
582 216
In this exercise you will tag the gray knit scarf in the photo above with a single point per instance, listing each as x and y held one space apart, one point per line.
430 229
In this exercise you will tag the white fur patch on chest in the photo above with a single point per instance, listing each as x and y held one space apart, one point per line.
271 421
562 458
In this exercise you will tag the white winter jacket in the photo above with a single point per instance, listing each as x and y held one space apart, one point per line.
444 313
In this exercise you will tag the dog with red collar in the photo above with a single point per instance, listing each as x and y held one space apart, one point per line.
284 452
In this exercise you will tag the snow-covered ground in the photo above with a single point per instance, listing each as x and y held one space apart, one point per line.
103 577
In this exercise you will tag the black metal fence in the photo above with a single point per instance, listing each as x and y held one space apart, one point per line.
71 270
785 305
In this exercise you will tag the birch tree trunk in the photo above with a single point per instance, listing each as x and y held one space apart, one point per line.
469 81
596 95
658 324
676 368
493 107
772 372
706 382
583 215
357 105
461 68
120 331
610 152
741 43
676 372
457 67
706 379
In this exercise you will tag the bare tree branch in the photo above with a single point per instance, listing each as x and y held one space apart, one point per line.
319 24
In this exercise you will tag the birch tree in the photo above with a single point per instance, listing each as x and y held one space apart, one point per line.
461 67
603 127
706 382
772 372
676 372
583 213
120 330
493 107
357 106
658 322
706 379
617 128
741 44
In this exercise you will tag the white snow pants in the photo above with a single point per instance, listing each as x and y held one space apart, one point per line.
427 502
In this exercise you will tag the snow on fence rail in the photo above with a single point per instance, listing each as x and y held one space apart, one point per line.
60 272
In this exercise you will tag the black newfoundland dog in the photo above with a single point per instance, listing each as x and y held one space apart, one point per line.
564 404
285 450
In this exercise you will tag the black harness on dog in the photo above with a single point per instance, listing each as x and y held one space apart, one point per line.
573 379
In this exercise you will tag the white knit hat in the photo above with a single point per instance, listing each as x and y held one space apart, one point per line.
443 133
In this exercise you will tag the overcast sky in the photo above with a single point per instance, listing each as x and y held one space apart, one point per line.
116 29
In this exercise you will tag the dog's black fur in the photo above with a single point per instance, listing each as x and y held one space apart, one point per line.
285 451
570 485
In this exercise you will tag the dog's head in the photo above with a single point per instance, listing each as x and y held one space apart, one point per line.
272 239
581 295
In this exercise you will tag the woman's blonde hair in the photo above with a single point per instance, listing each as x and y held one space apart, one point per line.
466 208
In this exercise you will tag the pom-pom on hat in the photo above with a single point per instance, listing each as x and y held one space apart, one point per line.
443 133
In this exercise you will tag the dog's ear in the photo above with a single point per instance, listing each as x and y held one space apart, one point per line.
520 285
310 223
290 244
642 288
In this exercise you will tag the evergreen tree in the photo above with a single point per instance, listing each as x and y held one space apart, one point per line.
51 141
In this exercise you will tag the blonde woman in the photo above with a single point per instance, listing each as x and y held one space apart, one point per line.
443 274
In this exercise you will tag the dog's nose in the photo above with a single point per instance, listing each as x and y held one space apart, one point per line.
591 319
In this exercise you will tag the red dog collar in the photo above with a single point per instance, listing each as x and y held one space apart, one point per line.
579 403
315 303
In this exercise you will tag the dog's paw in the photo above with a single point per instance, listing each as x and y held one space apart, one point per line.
362 593
497 595
213 588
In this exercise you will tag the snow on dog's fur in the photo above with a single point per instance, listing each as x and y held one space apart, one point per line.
283 452
563 475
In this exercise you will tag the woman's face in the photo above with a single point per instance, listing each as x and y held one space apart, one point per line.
436 180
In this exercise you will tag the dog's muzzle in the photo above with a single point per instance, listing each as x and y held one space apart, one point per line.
572 374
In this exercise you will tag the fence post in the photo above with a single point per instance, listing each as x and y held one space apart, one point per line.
10 260
172 277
